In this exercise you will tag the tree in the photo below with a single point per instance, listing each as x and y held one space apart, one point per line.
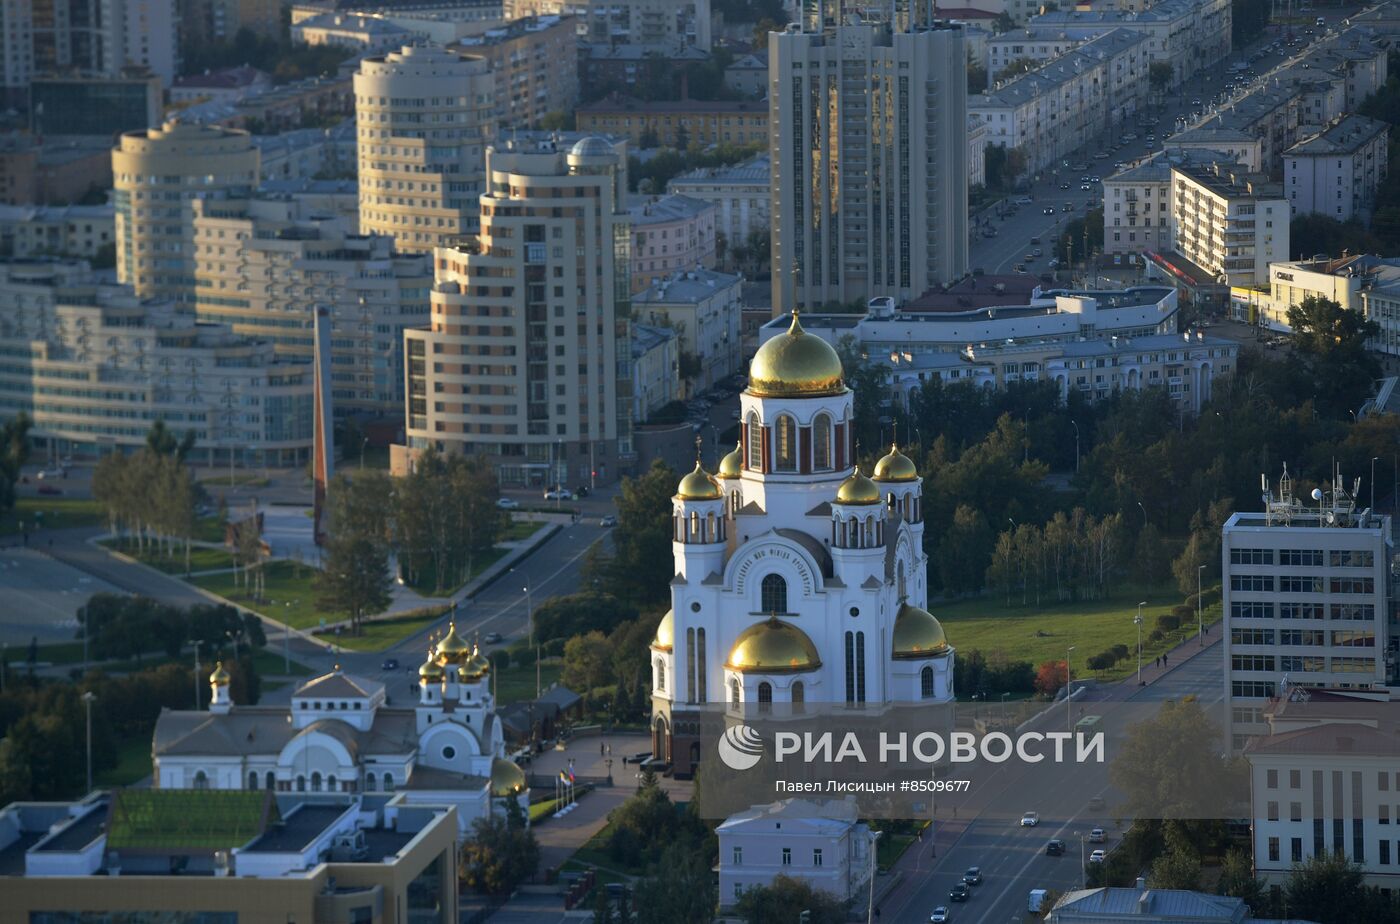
869 381
355 580
575 614
1176 870
785 900
586 662
1327 888
1170 767
1237 880
501 854
641 570
1159 76
14 452
1331 342
1050 677
680 889
964 551
162 442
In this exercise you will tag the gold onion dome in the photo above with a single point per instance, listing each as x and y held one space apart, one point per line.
795 365
665 632
220 676
896 466
773 647
858 489
477 665
732 464
917 634
699 485
506 778
430 669
453 648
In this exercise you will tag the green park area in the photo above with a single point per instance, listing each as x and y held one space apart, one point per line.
171 558
287 595
1044 633
379 634
51 513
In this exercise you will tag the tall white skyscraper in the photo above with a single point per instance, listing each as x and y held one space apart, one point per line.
869 154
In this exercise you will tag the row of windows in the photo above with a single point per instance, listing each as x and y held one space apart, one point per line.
1305 558
1292 584
1255 609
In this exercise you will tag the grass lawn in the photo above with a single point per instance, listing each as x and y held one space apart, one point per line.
268 662
379 634
209 529
517 682
521 529
201 557
426 584
1043 633
57 513
289 597
133 764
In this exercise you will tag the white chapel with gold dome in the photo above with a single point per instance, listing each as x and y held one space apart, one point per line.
798 577
341 735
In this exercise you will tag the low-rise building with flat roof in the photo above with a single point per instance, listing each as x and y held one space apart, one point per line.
704 308
669 233
1337 171
656 368
741 195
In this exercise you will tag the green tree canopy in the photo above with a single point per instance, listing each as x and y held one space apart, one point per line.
1331 342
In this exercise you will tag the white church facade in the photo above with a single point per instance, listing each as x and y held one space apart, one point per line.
339 735
798 578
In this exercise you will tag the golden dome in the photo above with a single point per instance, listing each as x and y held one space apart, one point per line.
896 467
453 648
773 647
732 464
917 634
476 666
665 632
699 485
430 669
795 365
506 779
220 676
858 489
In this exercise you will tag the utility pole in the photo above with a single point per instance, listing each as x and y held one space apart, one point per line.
196 673
1138 622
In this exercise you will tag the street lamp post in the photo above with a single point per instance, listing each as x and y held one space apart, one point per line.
88 698
530 615
1144 514
1069 692
870 903
1200 613
1137 621
196 643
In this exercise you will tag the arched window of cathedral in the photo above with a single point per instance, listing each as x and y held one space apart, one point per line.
734 693
301 784
660 675
821 443
755 444
316 781
786 456
271 780
331 784
694 526
799 694
201 781
773 594
369 782
699 693
388 782
850 667
926 683
902 592
765 697
253 780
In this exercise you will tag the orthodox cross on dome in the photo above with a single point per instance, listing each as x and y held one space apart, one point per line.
699 442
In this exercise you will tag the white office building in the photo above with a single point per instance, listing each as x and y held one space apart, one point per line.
1306 593
820 844
1230 224
1336 172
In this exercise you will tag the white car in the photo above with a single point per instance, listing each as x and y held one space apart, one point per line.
939 916
559 494
1096 836
507 503
1097 856
1030 819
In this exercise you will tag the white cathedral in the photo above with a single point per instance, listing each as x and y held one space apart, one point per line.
339 735
797 577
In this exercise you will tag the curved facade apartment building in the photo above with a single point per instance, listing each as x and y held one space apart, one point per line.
156 174
423 117
527 360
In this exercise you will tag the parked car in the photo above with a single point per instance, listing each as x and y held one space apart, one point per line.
1097 856
389 664
582 491
608 520
973 876
1030 819
638 757
508 503
959 893
558 494
492 638
1055 848
939 916
1096 836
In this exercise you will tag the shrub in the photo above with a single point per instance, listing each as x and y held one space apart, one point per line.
1210 596
1183 613
554 648
1120 651
1168 622
500 658
1156 636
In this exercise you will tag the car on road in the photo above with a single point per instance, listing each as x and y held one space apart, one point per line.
1096 802
559 494
1055 848
1095 179
49 489
959 893
939 916
1030 819
608 520
1102 155
1036 240
1097 856
1068 207
1020 268
1037 251
973 876
1096 836
1048 210
1195 102
1084 178
1029 258
389 664
508 503
1084 187
1023 200
1064 186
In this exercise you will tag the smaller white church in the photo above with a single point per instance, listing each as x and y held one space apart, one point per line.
339 736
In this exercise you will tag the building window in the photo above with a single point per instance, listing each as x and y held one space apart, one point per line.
786 458
660 675
1296 849
787 856
738 856
449 752
799 693
1271 779
1273 849
369 782
734 693
765 696
301 783
316 781
388 782
271 780
821 443
816 856
755 444
201 781
253 780
773 594
926 683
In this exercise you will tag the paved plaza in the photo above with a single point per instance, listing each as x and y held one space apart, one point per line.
41 597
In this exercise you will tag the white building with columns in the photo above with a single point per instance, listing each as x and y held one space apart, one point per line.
799 579
339 735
